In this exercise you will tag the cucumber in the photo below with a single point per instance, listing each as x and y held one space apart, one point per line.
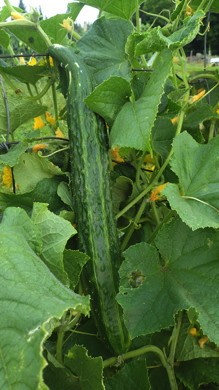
91 195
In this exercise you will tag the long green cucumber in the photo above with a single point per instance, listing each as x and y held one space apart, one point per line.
92 201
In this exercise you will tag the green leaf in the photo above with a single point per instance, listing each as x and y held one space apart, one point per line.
121 8
26 73
30 36
196 199
133 125
25 180
121 190
199 372
152 290
188 347
163 133
108 98
21 110
198 114
154 39
52 27
64 193
103 48
74 262
54 232
12 157
89 370
133 376
30 297
214 7
4 39
44 192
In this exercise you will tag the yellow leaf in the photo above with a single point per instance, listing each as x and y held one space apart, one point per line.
7 177
50 118
38 123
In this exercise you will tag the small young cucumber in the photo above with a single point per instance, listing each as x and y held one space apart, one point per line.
91 194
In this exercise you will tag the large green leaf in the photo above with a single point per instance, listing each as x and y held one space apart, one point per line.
74 262
133 125
25 73
108 98
214 7
21 109
133 376
31 169
30 298
122 8
44 192
89 370
103 48
152 290
154 39
196 198
12 157
199 372
188 347
54 232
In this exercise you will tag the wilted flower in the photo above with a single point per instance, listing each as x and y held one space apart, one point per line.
202 341
197 97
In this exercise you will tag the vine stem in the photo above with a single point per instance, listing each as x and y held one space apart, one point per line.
159 174
134 223
113 361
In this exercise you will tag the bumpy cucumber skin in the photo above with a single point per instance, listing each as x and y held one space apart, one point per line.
92 198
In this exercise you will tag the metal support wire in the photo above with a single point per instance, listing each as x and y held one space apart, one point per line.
24 55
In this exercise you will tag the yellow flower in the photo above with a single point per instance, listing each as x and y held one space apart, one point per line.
50 118
59 133
116 156
217 111
197 97
7 177
51 62
174 120
16 15
38 123
32 61
189 11
202 341
175 59
68 24
38 147
22 61
155 194
193 332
